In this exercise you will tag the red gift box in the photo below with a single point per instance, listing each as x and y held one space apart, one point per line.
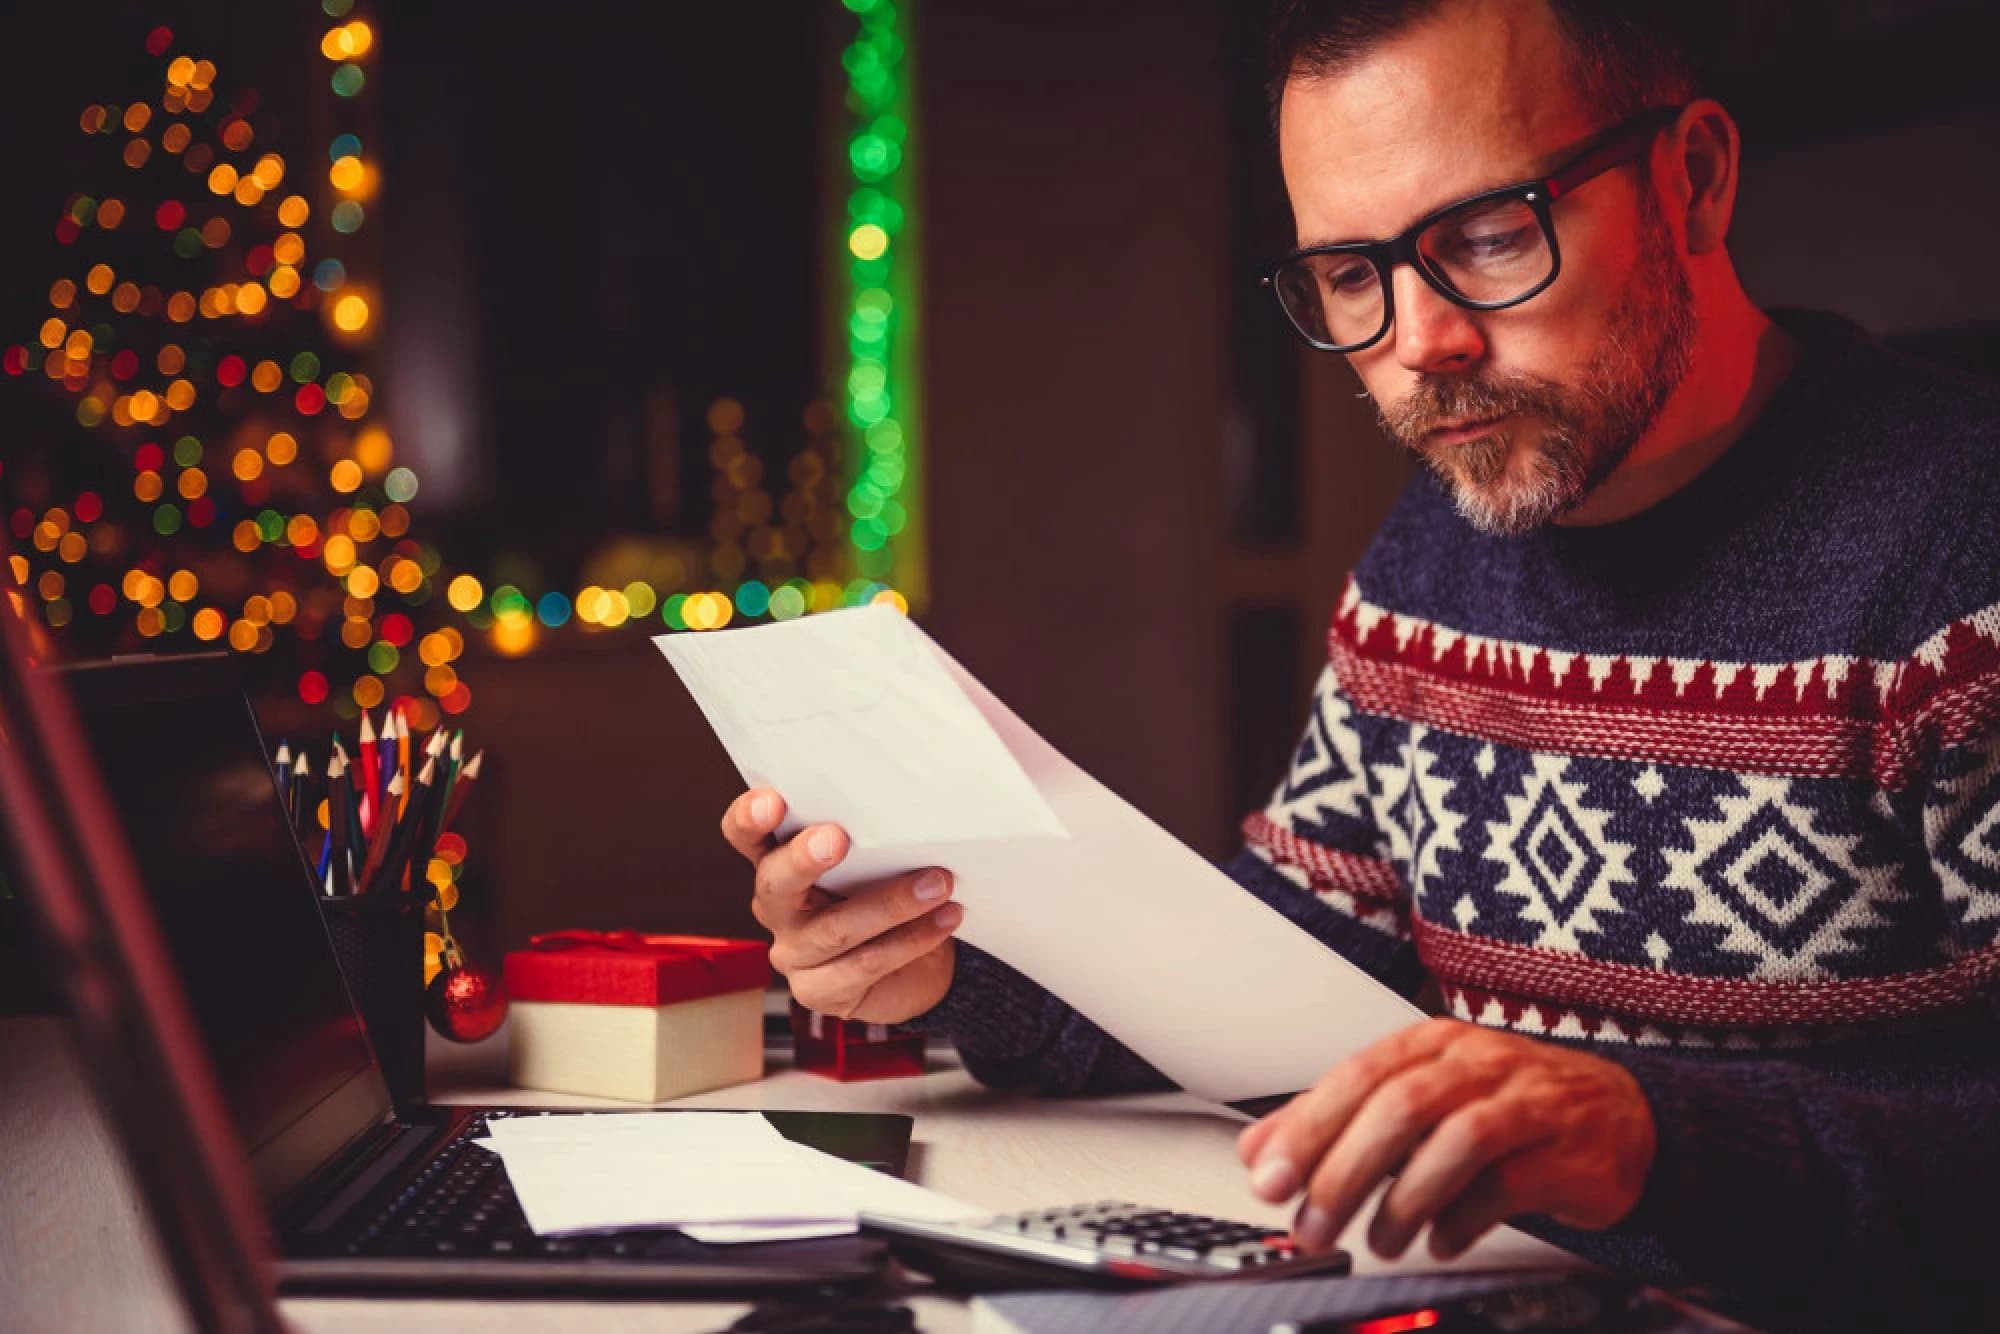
620 1014
632 968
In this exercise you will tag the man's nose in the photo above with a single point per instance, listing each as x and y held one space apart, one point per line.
1432 335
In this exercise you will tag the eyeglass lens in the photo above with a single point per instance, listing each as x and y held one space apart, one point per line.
1488 252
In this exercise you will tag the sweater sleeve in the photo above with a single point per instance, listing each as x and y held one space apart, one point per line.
1313 854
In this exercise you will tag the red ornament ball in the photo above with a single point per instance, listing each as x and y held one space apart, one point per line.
465 1002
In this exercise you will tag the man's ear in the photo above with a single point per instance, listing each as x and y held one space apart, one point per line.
1708 149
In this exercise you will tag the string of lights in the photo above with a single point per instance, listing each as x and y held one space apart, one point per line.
181 347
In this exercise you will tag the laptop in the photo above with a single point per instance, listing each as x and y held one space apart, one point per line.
361 1196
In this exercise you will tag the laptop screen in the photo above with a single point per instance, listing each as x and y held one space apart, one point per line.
186 770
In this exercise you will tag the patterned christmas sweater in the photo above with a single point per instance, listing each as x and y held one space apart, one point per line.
1714 791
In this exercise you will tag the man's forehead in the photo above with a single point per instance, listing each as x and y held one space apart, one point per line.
1475 97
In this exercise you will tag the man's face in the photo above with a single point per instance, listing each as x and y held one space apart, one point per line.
1519 412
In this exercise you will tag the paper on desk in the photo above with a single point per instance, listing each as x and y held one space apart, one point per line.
859 719
729 1175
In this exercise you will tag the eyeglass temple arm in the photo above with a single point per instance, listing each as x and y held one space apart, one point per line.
1619 147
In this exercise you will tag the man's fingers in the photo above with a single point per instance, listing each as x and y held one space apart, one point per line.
843 926
1389 1125
787 873
1444 1167
749 820
839 986
1303 1129
1500 1191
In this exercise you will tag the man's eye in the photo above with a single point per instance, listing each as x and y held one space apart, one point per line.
1474 247
1349 279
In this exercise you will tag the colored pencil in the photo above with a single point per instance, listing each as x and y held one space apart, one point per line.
371 774
339 796
458 790
403 760
378 841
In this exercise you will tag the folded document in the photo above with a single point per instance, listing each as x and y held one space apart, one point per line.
718 1176
860 720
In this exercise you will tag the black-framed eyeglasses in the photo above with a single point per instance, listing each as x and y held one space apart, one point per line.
1489 252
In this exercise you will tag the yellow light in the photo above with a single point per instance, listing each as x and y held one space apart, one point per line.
464 593
614 610
345 476
203 74
395 521
180 307
283 607
110 213
136 116
281 449
360 37
126 299
246 537
368 692
868 241
77 346
243 636
248 465
339 554
350 313
61 293
99 279
50 586
337 45
182 585
406 576
222 180
289 248
270 171
302 531
513 634
440 679
345 174
176 138
284 282
265 379
208 624
180 395
181 72
147 486
71 548
53 333
362 525
364 582
372 449
257 609
151 622
250 299
294 211
355 632
193 484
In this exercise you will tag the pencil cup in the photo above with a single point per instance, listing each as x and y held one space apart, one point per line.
379 940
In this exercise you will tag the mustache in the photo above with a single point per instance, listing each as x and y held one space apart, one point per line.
1437 401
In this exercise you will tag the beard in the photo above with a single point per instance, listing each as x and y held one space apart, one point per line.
1587 428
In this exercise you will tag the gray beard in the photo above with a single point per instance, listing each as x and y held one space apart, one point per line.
1591 427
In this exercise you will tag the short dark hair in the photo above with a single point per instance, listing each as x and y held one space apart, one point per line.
1630 55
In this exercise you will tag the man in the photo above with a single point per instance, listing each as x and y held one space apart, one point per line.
1659 725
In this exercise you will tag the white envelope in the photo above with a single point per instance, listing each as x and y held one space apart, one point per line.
860 720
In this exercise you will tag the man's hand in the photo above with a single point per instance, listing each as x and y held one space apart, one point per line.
1484 1125
882 953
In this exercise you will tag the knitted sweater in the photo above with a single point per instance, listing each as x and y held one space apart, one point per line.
1713 792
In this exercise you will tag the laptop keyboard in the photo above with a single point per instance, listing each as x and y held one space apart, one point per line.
462 1205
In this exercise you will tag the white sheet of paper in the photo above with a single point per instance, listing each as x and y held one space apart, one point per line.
859 719
730 1176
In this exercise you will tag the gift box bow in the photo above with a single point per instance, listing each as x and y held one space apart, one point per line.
633 967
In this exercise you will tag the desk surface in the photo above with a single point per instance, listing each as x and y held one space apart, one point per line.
994 1150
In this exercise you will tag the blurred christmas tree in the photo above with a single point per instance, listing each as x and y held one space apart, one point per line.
204 465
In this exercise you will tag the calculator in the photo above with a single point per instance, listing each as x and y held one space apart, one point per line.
1111 1241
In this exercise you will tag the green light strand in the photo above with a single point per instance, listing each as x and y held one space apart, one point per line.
879 387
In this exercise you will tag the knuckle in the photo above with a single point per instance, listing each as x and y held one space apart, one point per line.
830 933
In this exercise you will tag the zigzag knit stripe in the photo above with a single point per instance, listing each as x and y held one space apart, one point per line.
1827 717
1373 882
1644 995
